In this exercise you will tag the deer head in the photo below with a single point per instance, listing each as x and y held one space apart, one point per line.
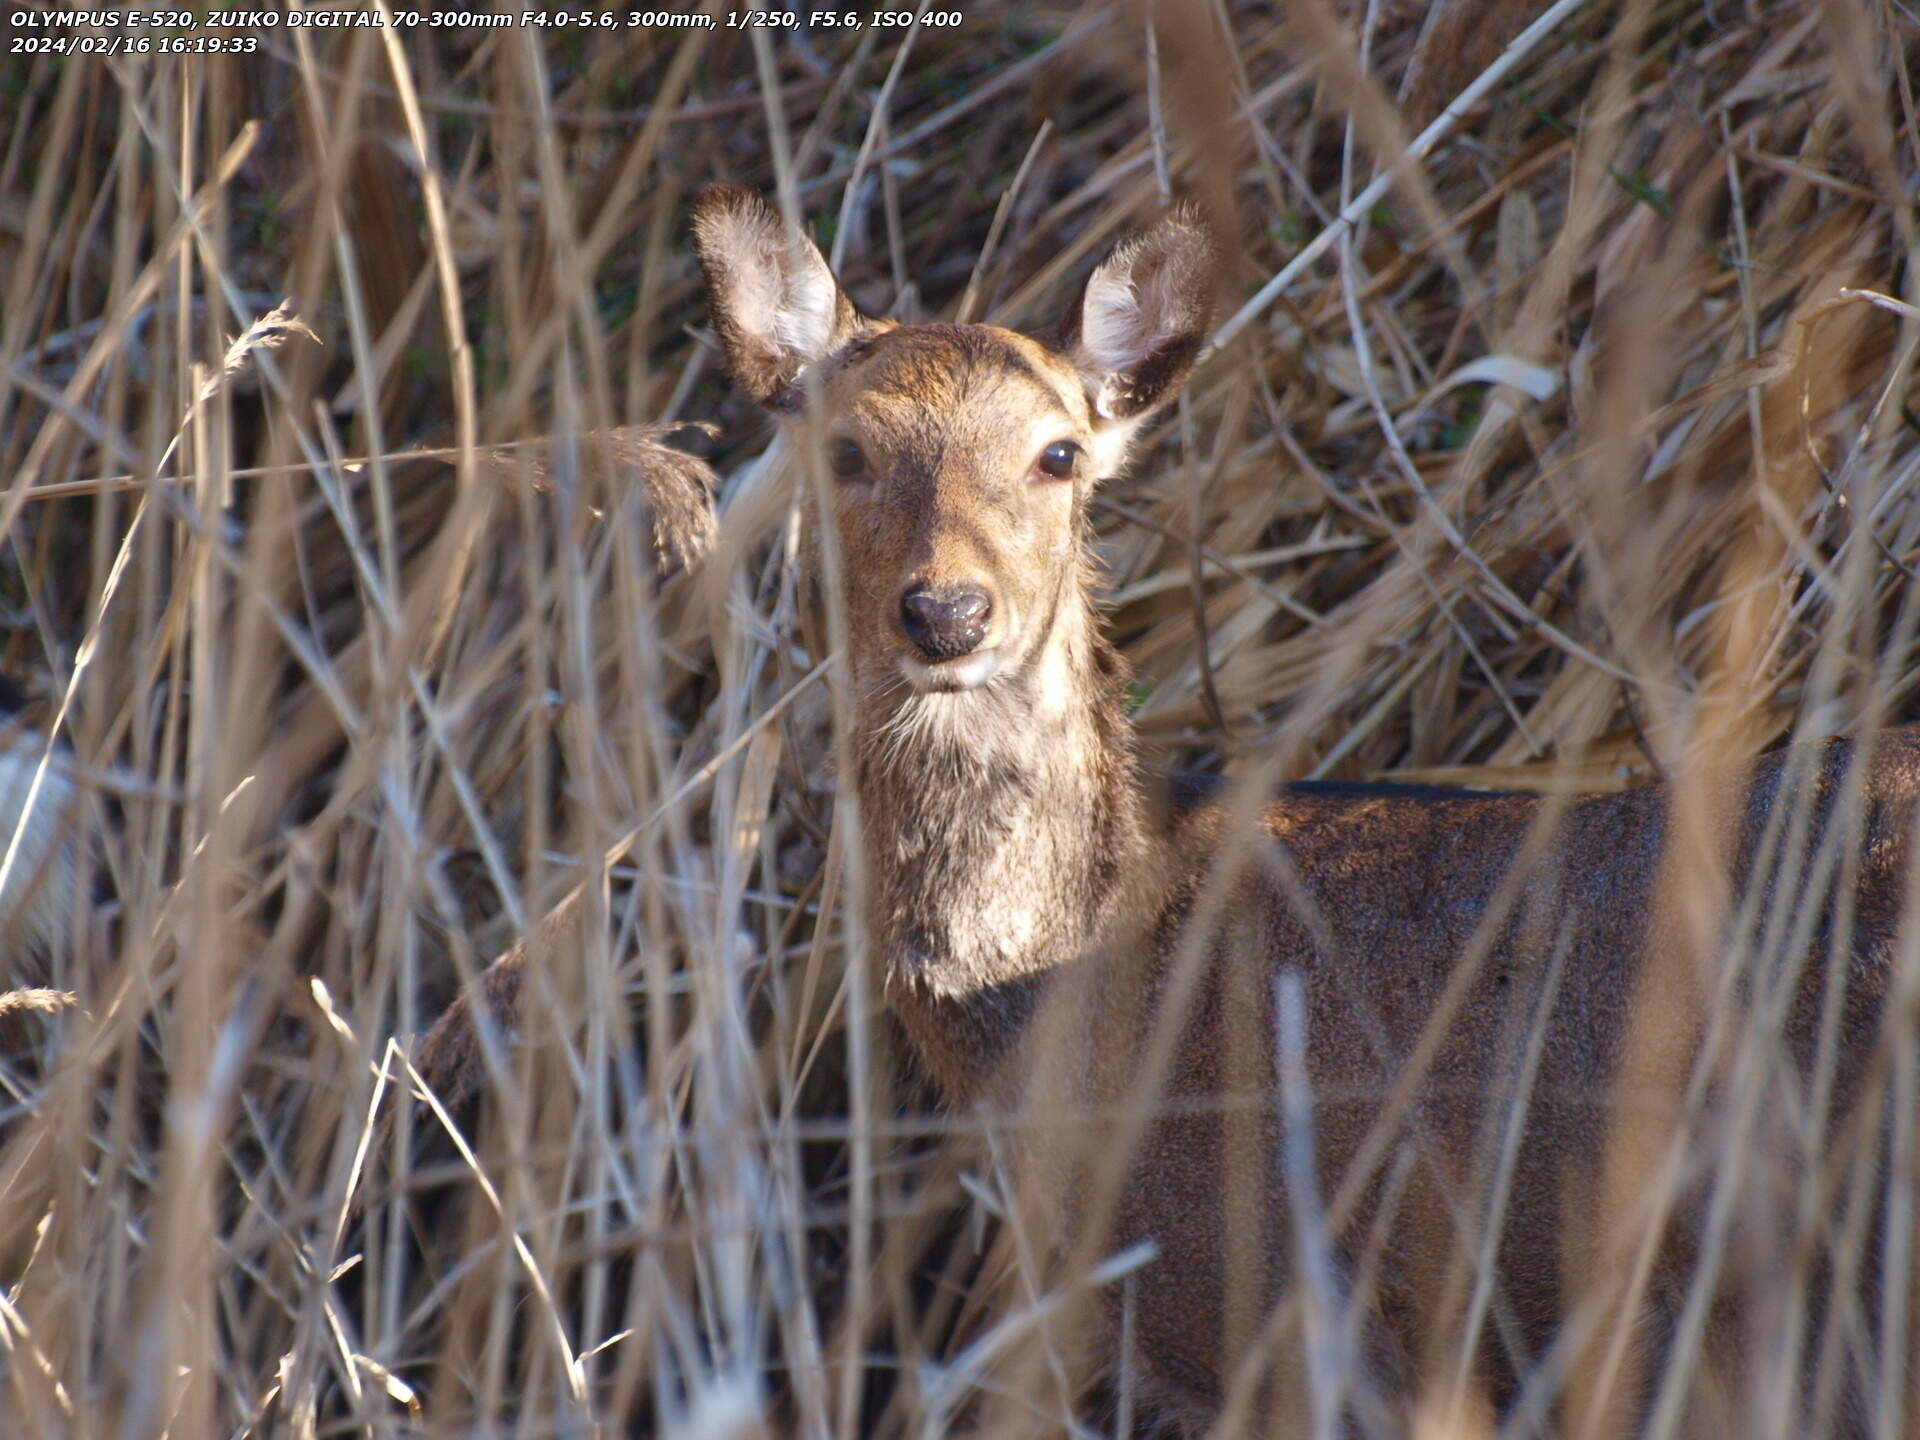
961 456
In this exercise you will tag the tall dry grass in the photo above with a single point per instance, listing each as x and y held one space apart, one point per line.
1557 446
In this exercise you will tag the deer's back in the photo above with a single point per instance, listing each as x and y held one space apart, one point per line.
1465 940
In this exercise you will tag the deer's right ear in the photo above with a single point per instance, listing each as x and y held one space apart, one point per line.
776 305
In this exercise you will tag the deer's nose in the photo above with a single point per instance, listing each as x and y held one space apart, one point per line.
945 623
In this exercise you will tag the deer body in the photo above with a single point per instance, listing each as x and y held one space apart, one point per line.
1402 886
1042 927
1038 930
967 845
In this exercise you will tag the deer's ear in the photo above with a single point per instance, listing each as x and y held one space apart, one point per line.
776 305
1145 315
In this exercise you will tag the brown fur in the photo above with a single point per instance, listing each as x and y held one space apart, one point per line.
1019 887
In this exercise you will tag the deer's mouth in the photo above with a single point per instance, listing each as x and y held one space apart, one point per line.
963 672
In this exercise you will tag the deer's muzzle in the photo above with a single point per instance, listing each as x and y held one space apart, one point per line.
947 622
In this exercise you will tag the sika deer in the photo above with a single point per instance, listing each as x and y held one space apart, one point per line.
1020 885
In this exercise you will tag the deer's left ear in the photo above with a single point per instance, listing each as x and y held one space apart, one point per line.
776 305
1145 315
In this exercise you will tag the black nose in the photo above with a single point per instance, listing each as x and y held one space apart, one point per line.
947 623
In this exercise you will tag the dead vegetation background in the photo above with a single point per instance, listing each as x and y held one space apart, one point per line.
1586 445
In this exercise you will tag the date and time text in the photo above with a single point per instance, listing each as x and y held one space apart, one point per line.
46 30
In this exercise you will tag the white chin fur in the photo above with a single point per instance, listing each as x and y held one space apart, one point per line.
969 672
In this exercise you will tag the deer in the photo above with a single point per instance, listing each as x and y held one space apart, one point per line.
1456 998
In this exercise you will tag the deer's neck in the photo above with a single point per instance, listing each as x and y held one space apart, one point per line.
1001 827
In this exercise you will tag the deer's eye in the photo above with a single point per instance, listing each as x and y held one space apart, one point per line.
1061 460
848 459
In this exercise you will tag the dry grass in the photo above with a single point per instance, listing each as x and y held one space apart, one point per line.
1591 447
